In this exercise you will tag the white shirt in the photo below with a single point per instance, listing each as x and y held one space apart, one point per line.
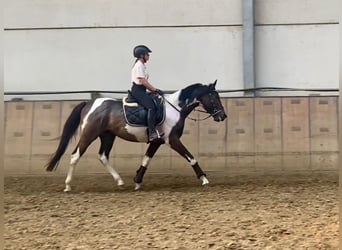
139 70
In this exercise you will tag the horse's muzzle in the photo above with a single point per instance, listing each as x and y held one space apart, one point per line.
220 116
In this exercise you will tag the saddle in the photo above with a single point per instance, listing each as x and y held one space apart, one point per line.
136 115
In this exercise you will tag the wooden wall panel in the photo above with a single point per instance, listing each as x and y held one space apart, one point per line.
18 127
18 136
323 123
240 137
260 135
127 156
268 125
267 128
161 161
240 134
126 148
296 134
46 127
212 142
295 125
324 133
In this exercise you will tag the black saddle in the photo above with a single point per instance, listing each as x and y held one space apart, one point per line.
136 115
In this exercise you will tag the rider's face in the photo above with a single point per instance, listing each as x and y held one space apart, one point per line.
146 57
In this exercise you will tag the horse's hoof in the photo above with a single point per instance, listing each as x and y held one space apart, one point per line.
205 181
120 183
67 190
137 186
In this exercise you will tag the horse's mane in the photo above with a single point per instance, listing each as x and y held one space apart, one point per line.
192 92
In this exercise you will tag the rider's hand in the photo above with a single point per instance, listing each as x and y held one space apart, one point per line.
159 92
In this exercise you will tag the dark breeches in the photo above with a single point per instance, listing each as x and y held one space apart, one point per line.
139 92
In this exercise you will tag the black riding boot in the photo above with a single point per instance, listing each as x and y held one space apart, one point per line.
151 121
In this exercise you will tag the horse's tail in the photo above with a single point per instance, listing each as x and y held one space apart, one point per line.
70 128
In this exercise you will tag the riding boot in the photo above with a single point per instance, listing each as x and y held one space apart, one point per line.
151 120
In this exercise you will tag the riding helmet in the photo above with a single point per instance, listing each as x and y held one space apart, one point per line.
140 50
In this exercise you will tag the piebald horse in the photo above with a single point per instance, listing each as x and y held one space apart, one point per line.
104 118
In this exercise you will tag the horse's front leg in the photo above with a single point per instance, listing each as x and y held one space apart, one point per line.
178 146
151 150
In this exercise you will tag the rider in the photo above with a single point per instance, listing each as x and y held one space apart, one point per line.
140 84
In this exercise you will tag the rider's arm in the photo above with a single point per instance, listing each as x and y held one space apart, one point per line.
147 85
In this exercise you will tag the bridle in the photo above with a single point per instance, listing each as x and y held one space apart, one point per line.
202 119
216 111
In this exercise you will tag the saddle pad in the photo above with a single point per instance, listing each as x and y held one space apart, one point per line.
136 115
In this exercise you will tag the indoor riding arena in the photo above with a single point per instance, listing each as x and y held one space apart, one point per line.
272 164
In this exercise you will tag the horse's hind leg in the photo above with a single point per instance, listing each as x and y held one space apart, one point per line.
107 140
151 150
75 156
178 146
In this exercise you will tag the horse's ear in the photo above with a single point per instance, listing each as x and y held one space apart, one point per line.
212 85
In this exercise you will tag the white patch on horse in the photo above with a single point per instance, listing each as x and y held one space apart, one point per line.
172 115
204 180
192 102
145 161
103 158
193 162
139 132
174 98
97 103
75 157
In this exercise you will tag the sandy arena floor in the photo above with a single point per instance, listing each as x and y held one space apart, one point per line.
173 212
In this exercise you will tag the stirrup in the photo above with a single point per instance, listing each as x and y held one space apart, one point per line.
155 135
160 134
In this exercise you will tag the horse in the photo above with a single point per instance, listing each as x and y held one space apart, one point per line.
104 118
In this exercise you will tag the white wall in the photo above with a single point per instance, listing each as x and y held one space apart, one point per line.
62 45
89 13
296 11
298 56
296 43
102 58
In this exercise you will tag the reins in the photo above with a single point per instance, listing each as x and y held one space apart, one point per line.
193 119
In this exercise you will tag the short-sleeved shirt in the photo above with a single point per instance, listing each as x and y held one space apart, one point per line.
139 70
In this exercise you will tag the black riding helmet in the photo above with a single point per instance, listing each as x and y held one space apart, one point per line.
140 50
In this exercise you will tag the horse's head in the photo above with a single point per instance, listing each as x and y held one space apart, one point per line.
211 102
